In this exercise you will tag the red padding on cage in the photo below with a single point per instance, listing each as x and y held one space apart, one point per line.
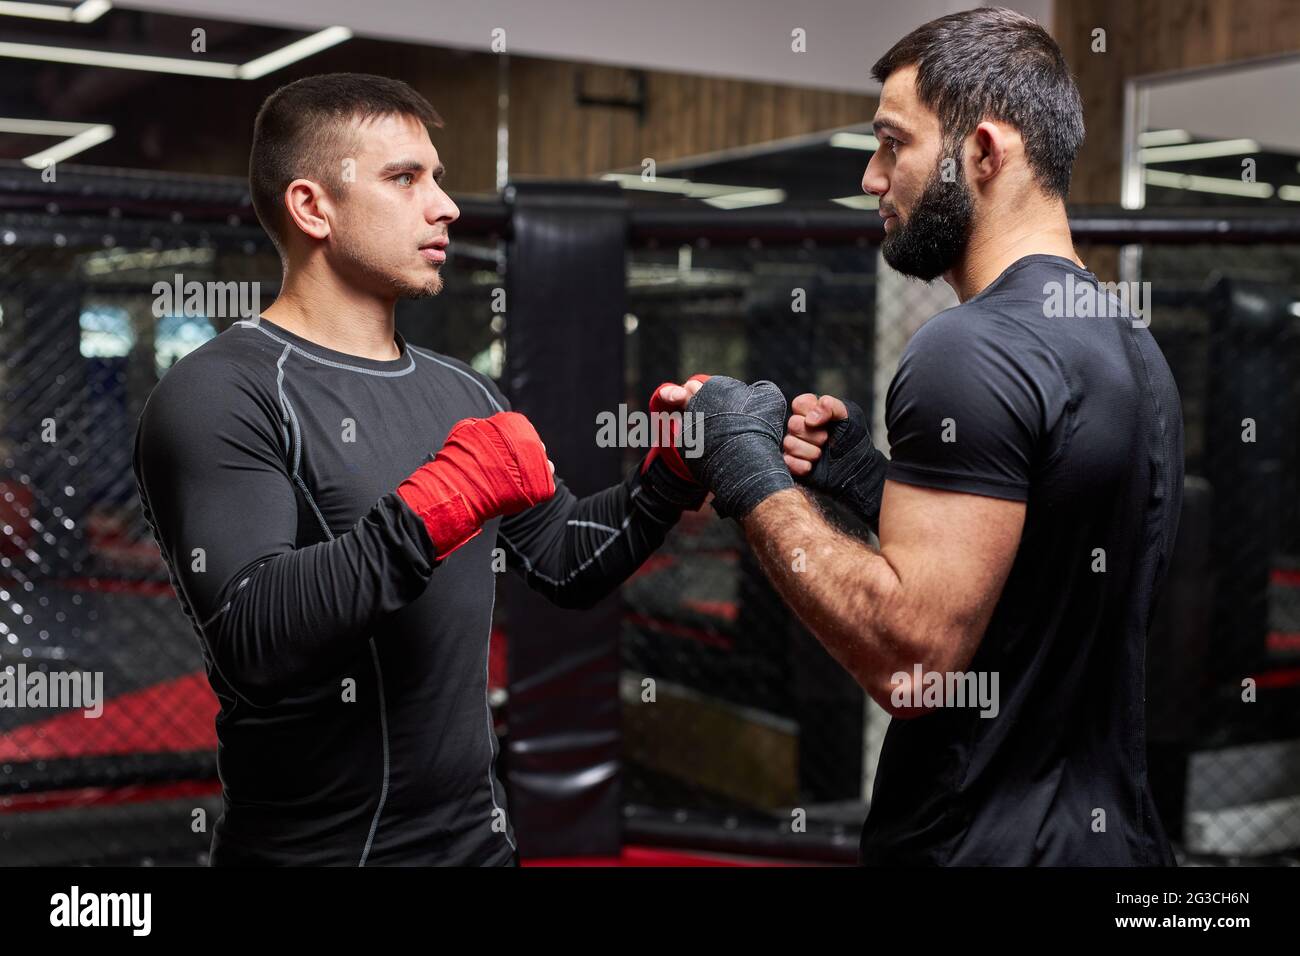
1280 678
174 715
104 796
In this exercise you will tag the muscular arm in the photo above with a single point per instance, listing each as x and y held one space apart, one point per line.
924 598
970 419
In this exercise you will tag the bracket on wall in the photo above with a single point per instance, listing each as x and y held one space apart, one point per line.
637 103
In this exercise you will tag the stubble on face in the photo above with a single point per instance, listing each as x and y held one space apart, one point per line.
369 256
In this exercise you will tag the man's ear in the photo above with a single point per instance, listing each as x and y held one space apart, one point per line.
987 150
308 207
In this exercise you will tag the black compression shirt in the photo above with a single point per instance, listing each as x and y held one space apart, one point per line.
350 665
1080 418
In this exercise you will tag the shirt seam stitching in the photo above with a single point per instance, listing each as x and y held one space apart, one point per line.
330 362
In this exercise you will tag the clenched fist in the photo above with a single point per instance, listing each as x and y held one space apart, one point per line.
828 448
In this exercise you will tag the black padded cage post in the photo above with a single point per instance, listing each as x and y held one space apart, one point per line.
564 365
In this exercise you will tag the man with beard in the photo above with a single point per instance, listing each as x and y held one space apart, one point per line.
1027 514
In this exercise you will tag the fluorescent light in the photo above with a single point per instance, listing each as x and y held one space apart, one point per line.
81 136
31 127
298 50
90 11
71 147
747 198
1164 137
855 141
859 202
120 61
86 12
1290 193
37 11
715 194
1208 184
1180 154
633 181
252 70
664 184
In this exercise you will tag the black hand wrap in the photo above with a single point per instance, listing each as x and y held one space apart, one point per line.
743 426
665 494
850 468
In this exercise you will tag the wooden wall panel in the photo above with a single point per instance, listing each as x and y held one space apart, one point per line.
1154 36
204 125
552 136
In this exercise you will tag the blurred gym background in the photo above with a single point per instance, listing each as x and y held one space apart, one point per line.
649 184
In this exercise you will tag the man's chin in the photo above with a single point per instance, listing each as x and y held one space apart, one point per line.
425 290
926 263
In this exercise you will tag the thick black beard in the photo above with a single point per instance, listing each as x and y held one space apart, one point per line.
934 237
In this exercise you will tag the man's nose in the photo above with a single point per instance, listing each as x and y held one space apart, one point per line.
443 209
874 181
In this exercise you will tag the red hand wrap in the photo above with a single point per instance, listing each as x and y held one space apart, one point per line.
487 467
668 440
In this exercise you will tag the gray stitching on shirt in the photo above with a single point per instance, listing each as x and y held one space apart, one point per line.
459 371
210 658
492 758
383 732
574 523
528 565
324 361
292 419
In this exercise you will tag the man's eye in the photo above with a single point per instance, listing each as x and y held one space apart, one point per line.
409 177
889 142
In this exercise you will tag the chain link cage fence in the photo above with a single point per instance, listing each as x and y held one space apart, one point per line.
90 319
759 742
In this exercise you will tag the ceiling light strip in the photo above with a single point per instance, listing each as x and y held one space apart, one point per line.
1208 184
79 143
1192 151
252 70
86 12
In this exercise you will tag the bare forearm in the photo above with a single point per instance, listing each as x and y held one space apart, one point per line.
850 596
844 591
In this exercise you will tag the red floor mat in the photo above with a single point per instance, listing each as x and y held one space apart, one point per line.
647 856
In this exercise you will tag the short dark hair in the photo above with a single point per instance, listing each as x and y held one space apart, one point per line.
994 63
301 131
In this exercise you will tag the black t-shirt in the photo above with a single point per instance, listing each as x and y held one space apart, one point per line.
350 664
1078 417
